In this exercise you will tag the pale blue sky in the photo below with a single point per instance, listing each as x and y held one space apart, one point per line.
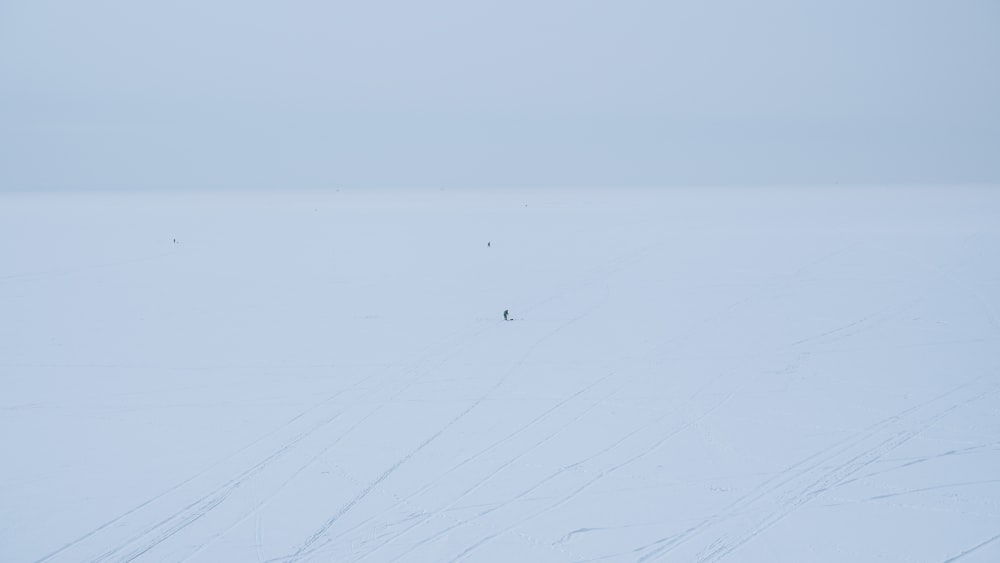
304 94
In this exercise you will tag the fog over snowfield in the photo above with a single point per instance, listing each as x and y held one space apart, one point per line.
712 374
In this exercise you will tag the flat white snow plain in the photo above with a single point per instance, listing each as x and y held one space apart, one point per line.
690 375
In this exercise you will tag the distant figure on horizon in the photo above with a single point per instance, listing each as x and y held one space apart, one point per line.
175 241
487 244
505 315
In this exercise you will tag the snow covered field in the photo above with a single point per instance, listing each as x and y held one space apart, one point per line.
691 375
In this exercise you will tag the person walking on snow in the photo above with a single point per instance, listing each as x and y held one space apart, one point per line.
505 315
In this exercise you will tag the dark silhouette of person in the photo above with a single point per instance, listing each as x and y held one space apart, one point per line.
505 315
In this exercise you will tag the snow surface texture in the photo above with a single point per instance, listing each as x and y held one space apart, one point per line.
689 375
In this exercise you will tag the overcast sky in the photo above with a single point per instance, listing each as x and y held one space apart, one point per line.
127 94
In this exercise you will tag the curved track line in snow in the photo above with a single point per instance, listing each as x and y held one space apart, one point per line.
262 502
971 550
177 486
980 448
987 308
195 510
482 481
545 480
602 474
179 520
934 488
550 477
544 415
285 446
820 476
325 527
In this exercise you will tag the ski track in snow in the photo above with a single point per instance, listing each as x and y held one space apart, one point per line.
472 458
325 527
152 500
165 528
973 549
573 494
812 476
483 481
